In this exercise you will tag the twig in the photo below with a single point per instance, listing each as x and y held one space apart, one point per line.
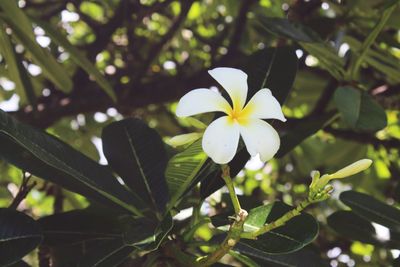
229 242
279 222
325 97
240 26
23 191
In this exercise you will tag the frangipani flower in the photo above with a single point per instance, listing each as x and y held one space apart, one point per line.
221 138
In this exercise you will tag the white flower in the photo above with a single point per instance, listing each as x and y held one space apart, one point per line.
221 138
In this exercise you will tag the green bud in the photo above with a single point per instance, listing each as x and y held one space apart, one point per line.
320 189
184 139
315 176
352 169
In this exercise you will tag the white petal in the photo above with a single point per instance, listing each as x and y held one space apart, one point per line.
263 105
201 101
234 82
261 138
220 140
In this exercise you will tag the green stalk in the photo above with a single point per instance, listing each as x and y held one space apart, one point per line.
369 41
229 183
236 228
279 222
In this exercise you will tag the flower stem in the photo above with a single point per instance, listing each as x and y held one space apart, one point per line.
279 222
236 228
229 183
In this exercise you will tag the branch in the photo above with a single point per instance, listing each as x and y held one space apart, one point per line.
325 97
91 99
364 138
23 191
240 25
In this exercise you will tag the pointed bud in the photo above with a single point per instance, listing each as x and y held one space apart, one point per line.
315 176
352 169
184 139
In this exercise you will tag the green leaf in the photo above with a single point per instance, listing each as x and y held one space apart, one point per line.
12 10
352 226
78 58
302 258
16 70
182 169
265 70
22 29
288 29
301 130
243 259
49 158
379 59
372 209
79 226
19 235
107 254
20 264
327 58
294 235
359 110
136 152
257 217
161 232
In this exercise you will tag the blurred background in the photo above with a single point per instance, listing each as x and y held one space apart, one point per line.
153 52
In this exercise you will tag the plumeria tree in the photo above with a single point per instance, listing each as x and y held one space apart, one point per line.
199 133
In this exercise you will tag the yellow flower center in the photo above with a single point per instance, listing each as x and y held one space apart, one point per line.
238 115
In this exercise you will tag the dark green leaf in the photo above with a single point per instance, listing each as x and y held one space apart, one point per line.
106 254
302 258
49 158
243 259
19 235
138 232
301 130
294 235
79 226
288 29
212 181
352 226
359 110
372 209
136 152
20 264
265 70
182 169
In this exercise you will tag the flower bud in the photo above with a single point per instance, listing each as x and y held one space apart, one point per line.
184 139
320 189
352 169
